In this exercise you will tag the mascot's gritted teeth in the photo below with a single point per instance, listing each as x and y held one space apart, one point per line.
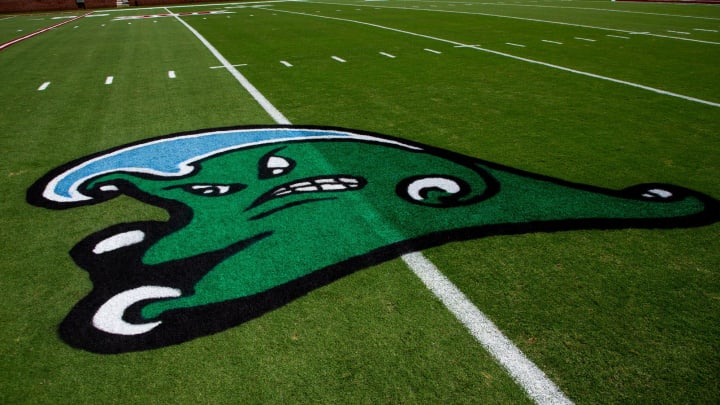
260 216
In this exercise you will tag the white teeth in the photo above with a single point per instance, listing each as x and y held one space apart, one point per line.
321 184
307 188
331 187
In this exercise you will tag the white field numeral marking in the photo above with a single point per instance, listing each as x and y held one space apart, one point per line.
109 80
43 86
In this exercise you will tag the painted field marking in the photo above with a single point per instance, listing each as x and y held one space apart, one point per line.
339 59
513 44
387 55
43 86
532 20
519 58
585 39
704 30
678 32
617 36
530 378
221 67
466 46
537 385
552 42
171 74
264 102
286 63
432 51
109 80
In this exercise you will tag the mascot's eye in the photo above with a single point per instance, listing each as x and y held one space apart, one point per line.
434 190
272 165
210 190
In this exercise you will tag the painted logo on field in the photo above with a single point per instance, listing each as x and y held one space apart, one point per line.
259 216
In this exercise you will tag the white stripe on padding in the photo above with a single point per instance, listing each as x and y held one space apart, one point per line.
537 385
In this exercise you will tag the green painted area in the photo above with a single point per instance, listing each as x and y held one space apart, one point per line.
312 229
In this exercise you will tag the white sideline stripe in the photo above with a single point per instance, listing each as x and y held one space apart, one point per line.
552 42
429 50
388 55
339 59
286 63
512 44
537 385
264 102
171 74
43 86
507 55
617 36
585 39
109 80
529 19
587 8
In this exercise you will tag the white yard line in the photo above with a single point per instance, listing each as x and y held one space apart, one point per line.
255 93
529 19
222 67
537 385
519 58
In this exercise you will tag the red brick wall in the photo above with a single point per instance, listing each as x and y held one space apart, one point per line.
15 6
100 3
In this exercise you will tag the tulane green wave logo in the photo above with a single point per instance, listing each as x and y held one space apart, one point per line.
260 216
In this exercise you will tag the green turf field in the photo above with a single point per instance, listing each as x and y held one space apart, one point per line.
607 94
